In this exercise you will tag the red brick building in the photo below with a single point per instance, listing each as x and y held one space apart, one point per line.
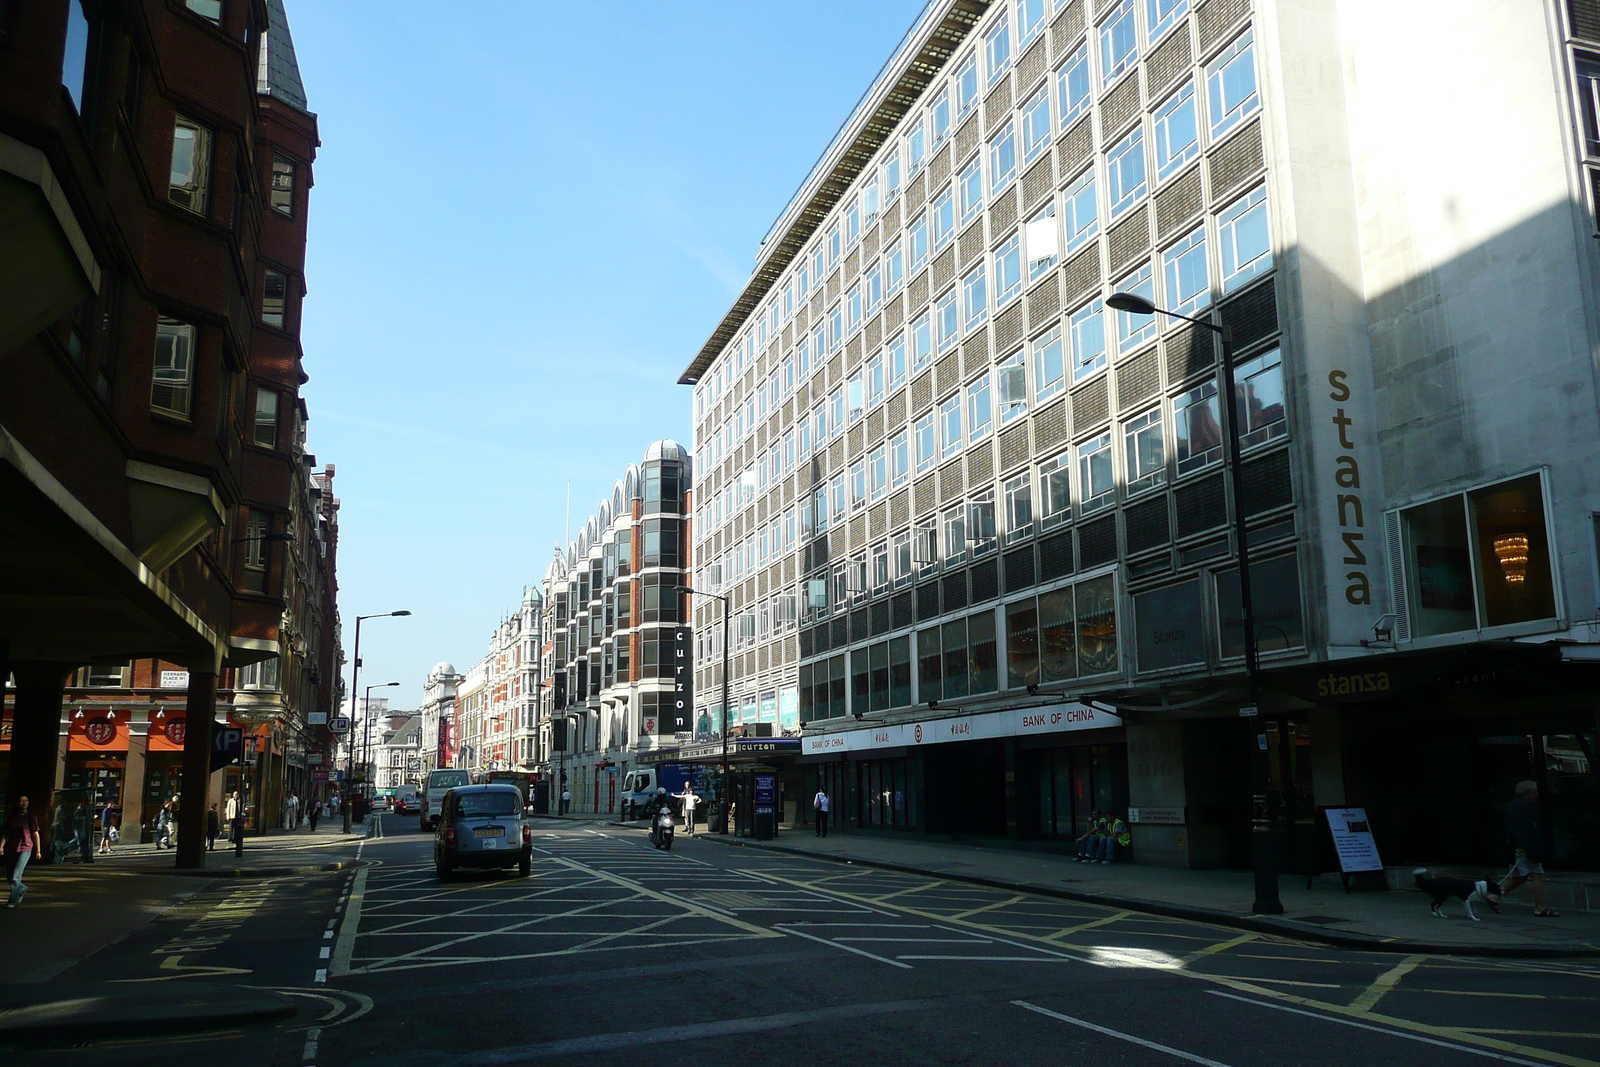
159 517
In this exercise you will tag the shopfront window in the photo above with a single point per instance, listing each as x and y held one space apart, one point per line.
1478 559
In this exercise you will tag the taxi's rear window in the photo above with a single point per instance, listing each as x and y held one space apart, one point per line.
488 804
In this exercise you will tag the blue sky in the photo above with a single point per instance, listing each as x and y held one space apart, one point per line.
527 218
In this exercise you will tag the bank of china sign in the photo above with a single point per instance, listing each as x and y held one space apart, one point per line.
1023 722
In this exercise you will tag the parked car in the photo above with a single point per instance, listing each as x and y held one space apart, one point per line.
482 826
439 782
407 801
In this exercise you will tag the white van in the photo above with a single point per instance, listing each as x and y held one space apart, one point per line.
439 783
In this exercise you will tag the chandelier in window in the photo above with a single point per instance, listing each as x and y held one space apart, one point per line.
1512 552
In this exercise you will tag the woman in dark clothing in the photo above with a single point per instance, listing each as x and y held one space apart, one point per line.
21 844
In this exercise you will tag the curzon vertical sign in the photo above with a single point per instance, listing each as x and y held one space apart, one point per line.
682 709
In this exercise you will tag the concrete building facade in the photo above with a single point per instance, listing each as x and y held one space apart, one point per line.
976 527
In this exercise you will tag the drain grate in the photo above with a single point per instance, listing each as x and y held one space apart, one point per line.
1319 920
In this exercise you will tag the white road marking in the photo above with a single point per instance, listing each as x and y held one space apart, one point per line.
322 975
346 944
1379 1029
847 948
1119 1035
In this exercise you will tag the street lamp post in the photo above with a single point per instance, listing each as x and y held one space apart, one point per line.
355 677
726 787
366 729
1263 839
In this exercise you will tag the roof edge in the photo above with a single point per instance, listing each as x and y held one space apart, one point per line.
930 44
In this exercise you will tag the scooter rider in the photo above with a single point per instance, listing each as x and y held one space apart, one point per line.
661 802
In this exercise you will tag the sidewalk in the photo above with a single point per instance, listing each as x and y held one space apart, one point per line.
1395 921
73 909
273 852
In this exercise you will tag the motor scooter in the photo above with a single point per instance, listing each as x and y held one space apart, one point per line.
661 829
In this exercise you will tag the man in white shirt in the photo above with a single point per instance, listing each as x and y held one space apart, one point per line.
820 805
690 801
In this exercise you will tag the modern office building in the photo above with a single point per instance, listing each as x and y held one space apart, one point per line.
976 527
155 171
617 661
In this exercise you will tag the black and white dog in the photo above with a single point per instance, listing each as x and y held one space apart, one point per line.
1442 889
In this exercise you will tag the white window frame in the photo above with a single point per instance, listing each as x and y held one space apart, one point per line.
1178 263
1254 206
1089 455
1169 158
1070 77
1124 23
1136 330
1037 129
1222 107
1127 182
1048 381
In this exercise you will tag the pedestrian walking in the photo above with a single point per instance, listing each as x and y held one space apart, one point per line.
566 801
213 828
821 805
1525 835
690 801
235 817
22 841
164 825
314 814
108 814
289 805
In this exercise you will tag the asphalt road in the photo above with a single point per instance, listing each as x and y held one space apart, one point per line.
712 955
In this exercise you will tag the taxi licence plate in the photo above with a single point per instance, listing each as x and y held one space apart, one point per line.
489 831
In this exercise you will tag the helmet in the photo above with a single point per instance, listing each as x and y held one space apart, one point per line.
661 790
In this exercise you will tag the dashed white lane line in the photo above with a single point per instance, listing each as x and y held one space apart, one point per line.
313 1038
322 976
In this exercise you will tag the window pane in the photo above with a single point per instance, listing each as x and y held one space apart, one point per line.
1134 330
1119 42
1049 366
1125 172
1097 625
930 665
1515 580
1197 428
1231 85
954 641
1058 644
1022 644
1177 131
1088 341
1259 382
274 296
982 653
1184 273
173 372
1082 212
1246 238
1072 85
1439 568
1095 478
266 422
